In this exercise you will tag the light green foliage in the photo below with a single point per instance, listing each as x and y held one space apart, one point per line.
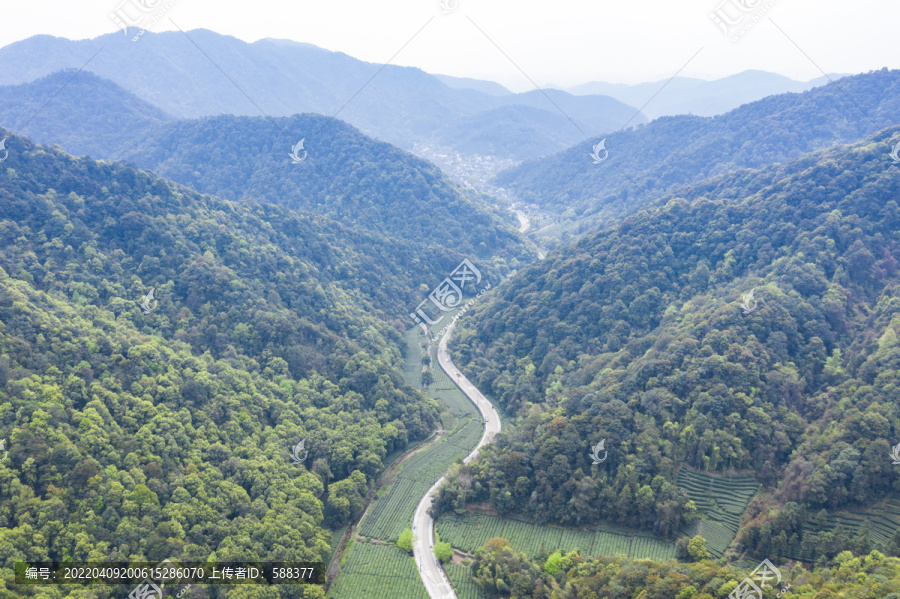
551 566
443 551
405 540
467 533
168 434
697 549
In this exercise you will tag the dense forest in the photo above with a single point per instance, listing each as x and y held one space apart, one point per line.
203 346
651 160
643 335
344 175
150 433
501 571
93 117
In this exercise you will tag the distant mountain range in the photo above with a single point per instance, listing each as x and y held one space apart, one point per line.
687 95
203 73
488 87
187 76
647 162
88 115
343 174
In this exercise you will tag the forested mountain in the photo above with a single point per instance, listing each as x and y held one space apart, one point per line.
401 105
344 175
83 113
688 95
649 161
644 335
145 432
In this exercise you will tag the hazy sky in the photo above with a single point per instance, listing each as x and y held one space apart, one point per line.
553 42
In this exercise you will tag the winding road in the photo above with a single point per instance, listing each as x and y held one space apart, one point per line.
432 574
524 221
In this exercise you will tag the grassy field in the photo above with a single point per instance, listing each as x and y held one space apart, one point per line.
377 572
722 501
412 369
445 391
470 532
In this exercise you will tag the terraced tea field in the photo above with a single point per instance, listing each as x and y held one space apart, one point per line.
465 586
389 515
470 532
722 501
883 521
412 368
446 391
377 572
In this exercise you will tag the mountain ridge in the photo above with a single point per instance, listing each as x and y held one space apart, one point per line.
402 105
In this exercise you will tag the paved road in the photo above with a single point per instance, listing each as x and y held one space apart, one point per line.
524 221
432 574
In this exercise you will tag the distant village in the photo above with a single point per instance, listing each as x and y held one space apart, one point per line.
476 172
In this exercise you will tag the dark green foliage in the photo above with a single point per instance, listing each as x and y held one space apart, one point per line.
169 434
500 571
636 335
346 176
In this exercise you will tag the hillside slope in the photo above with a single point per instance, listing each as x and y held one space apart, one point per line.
83 113
344 174
657 158
167 431
643 335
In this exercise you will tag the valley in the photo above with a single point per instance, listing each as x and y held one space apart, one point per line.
267 301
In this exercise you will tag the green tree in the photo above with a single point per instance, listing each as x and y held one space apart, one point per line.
443 551
406 540
551 566
697 549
